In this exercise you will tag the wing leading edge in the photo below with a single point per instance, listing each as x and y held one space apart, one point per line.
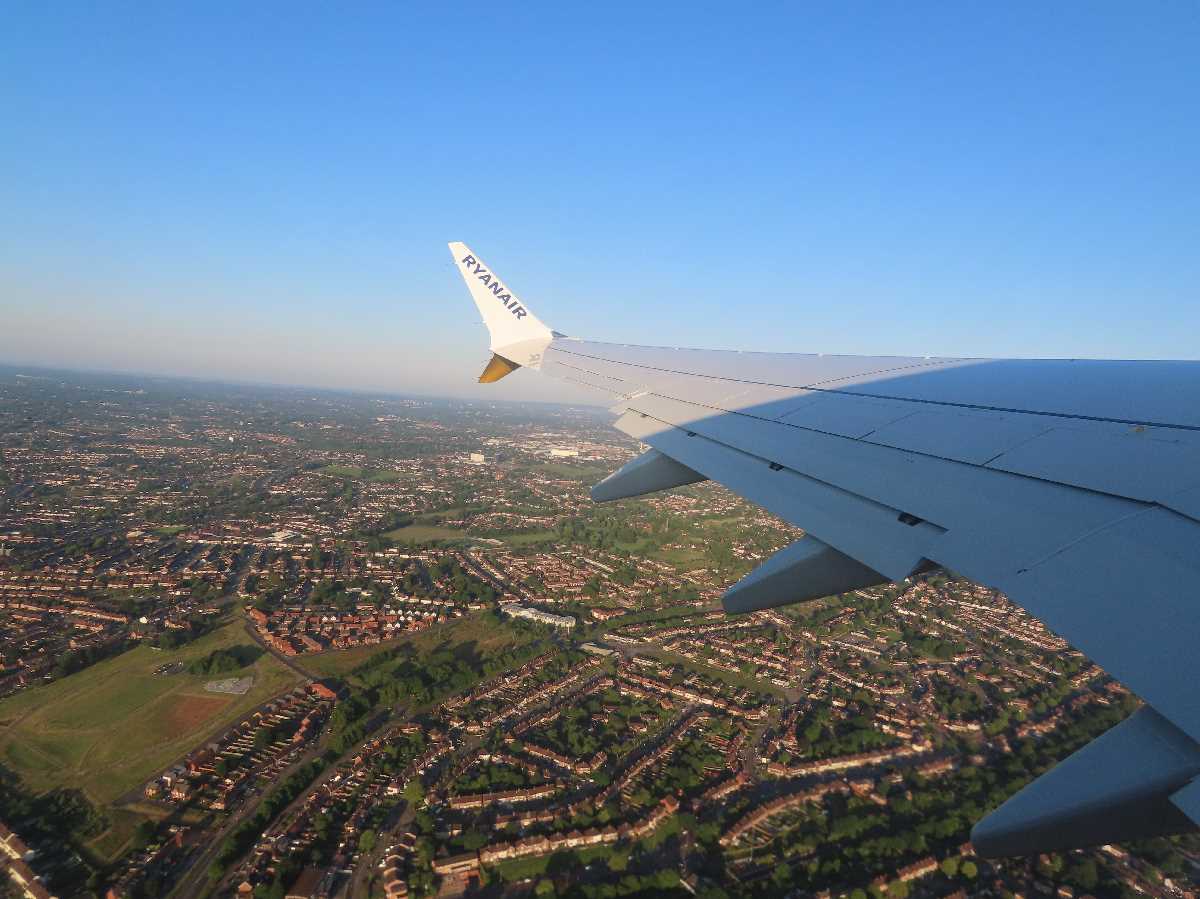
1071 485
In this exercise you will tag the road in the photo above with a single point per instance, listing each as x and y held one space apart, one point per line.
290 661
359 885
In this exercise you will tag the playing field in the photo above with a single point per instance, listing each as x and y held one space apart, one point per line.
109 728
424 533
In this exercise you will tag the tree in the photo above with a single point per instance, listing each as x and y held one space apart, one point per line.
1083 875
949 866
414 793
145 833
781 875
366 840
619 860
968 869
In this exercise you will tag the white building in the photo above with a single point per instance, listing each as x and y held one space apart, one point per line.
516 611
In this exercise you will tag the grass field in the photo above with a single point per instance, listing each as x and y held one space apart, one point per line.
340 662
109 728
685 558
423 533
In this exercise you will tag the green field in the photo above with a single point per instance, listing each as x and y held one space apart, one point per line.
424 533
685 558
109 728
529 538
340 662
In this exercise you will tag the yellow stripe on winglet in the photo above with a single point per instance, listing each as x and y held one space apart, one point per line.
497 369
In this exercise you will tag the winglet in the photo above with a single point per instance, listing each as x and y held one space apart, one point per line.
497 369
518 337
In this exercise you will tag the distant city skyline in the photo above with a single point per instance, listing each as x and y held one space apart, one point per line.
264 195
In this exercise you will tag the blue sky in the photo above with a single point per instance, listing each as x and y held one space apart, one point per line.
264 191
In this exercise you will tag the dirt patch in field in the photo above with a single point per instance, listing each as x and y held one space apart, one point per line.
187 713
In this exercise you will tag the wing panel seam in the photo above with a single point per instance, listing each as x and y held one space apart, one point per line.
879 396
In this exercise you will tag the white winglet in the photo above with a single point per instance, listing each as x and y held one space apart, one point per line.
517 335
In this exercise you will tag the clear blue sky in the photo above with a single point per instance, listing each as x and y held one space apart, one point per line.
258 191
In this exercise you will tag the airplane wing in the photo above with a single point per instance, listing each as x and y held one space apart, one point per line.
1073 486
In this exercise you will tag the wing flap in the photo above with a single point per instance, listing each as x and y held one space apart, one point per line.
804 570
1117 788
648 473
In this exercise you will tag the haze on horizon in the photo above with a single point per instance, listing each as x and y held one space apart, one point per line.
264 194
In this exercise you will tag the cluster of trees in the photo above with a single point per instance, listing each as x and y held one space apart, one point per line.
664 882
399 751
492 777
633 871
686 770
415 579
332 592
575 733
461 584
77 659
607 532
223 661
404 675
195 627
390 521
823 734
56 824
203 591
956 701
350 721
855 839
932 647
